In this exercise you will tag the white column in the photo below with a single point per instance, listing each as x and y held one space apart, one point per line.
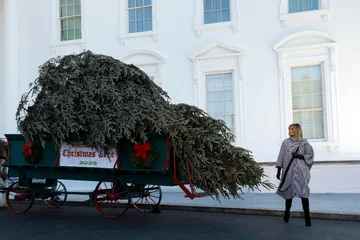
10 89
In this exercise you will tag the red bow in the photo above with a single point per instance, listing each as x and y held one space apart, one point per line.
141 150
27 148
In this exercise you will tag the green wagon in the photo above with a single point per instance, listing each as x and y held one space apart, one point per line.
121 182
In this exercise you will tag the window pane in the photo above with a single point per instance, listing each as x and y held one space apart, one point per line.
210 82
293 6
147 2
211 108
70 10
139 15
132 16
207 5
216 4
139 3
229 121
78 23
319 131
64 24
296 88
63 11
307 102
64 35
208 17
297 117
78 33
315 72
308 118
296 102
229 108
62 2
317 101
303 5
296 73
220 96
140 26
225 15
314 5
210 96
219 107
217 16
318 117
225 4
317 88
306 73
132 27
148 25
228 80
308 131
306 87
228 95
218 82
77 9
71 23
77 2
70 2
148 13
71 34
131 3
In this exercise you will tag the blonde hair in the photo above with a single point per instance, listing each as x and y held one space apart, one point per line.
297 130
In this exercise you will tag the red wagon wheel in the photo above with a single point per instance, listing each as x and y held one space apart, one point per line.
20 197
146 198
112 197
59 197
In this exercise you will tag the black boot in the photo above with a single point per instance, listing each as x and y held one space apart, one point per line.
287 209
305 203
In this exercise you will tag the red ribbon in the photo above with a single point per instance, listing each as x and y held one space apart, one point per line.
27 148
141 150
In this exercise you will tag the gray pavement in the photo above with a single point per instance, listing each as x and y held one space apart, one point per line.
82 222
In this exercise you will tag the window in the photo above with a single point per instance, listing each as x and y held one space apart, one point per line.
140 15
295 11
307 86
307 100
219 98
219 86
70 18
216 14
151 63
303 5
216 11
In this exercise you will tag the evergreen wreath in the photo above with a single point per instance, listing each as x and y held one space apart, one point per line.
144 155
32 152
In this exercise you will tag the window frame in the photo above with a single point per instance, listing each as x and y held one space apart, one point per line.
136 20
286 17
233 95
124 33
152 63
322 61
61 18
200 26
310 54
232 60
55 39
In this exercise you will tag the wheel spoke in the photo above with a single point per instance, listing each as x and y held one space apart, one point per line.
148 199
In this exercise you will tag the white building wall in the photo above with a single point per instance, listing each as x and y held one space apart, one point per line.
175 50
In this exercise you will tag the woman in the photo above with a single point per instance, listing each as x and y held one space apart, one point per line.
295 159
